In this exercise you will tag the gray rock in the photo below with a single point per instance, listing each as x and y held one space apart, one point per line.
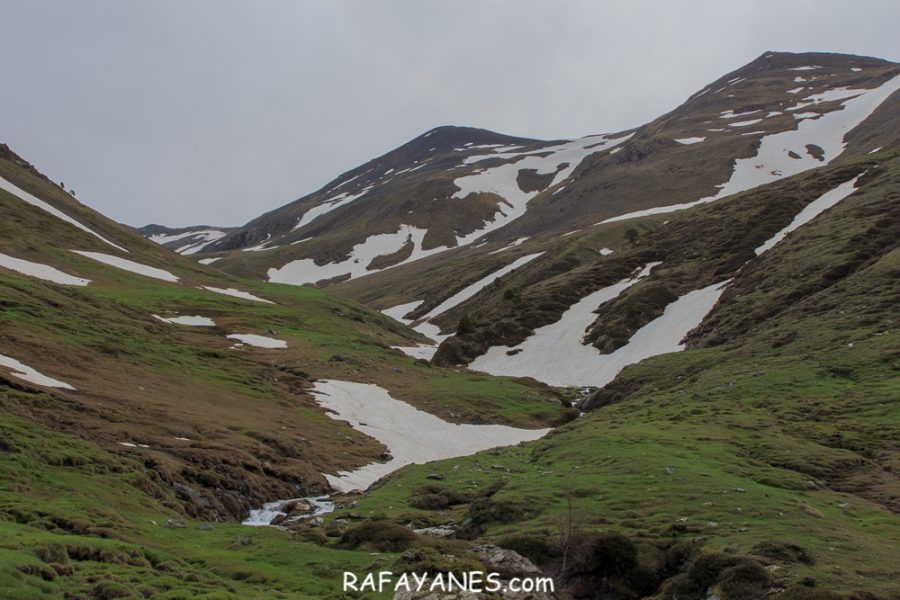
441 531
508 563
173 524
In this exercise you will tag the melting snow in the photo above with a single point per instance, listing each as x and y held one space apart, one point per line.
34 201
518 242
401 310
432 331
260 341
811 211
26 373
555 354
411 435
730 114
263 245
329 205
796 90
744 123
299 272
41 271
202 237
196 321
690 140
772 161
209 261
128 265
236 294
469 291
502 180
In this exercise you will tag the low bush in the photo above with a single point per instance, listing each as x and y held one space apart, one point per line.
436 497
380 535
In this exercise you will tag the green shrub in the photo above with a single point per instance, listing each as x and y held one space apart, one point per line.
381 535
426 559
436 497
784 552
533 547
744 581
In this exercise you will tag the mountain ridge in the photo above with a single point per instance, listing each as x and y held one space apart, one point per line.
384 197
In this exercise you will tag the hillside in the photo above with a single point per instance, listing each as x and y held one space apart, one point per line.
659 363
455 188
140 390
772 436
184 240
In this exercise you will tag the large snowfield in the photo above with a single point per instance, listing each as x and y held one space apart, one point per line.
411 435
556 355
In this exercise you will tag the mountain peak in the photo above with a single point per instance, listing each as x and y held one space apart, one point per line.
776 60
447 136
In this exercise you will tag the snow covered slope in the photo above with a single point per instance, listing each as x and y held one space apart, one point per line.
457 188
185 240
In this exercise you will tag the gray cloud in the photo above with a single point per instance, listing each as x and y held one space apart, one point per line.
215 111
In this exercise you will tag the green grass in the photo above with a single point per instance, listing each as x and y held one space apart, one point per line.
780 425
79 519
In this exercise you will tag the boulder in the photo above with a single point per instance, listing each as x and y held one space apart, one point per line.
508 563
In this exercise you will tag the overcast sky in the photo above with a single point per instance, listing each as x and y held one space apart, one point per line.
186 112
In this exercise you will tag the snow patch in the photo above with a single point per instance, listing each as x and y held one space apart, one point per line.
744 123
26 373
328 205
41 271
502 180
303 271
260 341
517 242
470 290
772 161
730 114
236 294
690 140
412 436
401 310
195 321
811 211
200 238
128 265
556 355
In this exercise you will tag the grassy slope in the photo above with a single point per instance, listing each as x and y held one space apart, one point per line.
82 520
788 432
255 434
